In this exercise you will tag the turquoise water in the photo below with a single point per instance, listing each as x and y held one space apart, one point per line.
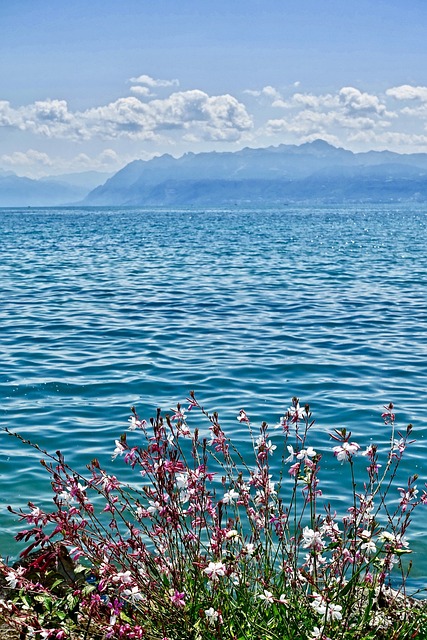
102 309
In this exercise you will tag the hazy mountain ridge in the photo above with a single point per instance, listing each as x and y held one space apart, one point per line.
314 171
310 172
18 191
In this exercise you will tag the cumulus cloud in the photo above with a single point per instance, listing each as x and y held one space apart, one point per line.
191 117
331 116
152 82
408 92
142 91
356 102
207 117
266 92
26 159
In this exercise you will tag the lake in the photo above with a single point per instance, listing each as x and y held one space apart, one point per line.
102 309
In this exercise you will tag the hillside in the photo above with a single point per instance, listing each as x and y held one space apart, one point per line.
314 171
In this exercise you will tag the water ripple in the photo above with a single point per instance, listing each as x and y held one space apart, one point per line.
102 309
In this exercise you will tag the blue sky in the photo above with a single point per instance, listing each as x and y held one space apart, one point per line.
93 85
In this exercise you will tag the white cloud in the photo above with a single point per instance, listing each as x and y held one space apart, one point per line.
266 92
408 92
152 82
356 102
207 117
144 92
26 159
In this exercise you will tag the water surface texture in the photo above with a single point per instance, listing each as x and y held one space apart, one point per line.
101 309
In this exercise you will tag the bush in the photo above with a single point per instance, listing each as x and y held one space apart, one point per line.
208 545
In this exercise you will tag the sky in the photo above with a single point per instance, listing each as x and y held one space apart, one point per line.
92 85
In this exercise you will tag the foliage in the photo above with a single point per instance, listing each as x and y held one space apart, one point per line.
206 545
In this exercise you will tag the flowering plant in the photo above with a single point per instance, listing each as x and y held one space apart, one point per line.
205 544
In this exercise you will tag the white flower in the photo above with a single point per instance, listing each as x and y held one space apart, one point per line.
386 536
12 578
334 611
297 412
267 596
369 547
230 496
120 448
133 595
154 506
344 451
214 570
211 615
249 549
291 453
231 534
316 634
136 424
270 447
319 605
181 480
312 539
283 599
125 577
305 454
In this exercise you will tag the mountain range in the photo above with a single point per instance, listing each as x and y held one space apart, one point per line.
311 172
18 191
315 171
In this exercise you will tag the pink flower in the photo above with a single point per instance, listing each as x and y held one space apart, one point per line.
177 598
242 417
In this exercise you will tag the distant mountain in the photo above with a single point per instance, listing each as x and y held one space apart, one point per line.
315 171
16 191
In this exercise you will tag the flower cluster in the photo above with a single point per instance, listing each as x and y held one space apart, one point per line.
206 542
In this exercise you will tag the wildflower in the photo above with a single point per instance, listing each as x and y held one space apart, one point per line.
231 534
284 423
179 413
267 596
214 570
316 634
388 415
319 604
296 412
294 469
242 417
177 598
291 453
13 577
270 447
283 599
334 611
249 549
212 616
407 496
305 454
265 447
154 506
133 595
119 450
369 547
181 480
230 496
345 451
399 445
125 577
136 424
312 539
